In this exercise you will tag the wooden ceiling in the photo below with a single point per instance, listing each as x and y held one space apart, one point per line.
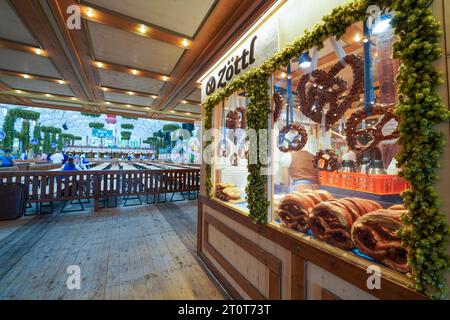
130 57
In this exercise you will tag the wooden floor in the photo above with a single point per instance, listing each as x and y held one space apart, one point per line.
142 252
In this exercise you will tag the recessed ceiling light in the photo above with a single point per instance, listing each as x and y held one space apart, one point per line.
48 95
184 101
142 28
134 71
172 111
61 81
18 91
38 51
74 99
128 106
154 96
105 89
283 75
188 113
90 12
131 93
26 76
147 108
185 42
107 102
99 64
357 37
165 78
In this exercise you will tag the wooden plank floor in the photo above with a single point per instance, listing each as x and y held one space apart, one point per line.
141 252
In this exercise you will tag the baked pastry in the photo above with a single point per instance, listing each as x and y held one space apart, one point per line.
331 221
375 234
233 193
294 209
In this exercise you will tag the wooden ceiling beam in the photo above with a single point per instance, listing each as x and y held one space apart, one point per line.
14 45
79 46
141 28
129 92
31 76
131 71
227 22
13 99
33 16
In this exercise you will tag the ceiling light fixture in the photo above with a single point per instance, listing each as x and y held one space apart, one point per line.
131 93
18 91
357 37
38 51
105 89
90 12
154 96
74 99
61 82
382 24
185 42
305 60
165 78
26 76
134 71
184 102
99 64
48 95
142 28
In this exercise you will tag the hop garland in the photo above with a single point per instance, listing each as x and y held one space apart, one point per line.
420 109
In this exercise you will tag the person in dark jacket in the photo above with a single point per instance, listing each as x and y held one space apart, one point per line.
70 165
6 159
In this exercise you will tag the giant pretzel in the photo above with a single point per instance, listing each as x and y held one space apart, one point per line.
375 132
326 160
321 88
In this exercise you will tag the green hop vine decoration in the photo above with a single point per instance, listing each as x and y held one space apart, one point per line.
425 228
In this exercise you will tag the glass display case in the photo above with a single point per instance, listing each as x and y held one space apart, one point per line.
334 139
229 165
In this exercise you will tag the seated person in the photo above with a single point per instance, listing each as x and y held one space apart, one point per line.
6 158
79 163
70 165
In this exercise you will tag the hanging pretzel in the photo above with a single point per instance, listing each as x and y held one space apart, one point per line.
300 139
322 88
326 160
235 119
279 103
375 132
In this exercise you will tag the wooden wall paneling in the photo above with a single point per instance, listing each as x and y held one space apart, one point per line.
34 17
298 287
272 263
343 268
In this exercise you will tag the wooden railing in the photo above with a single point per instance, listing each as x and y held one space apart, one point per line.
48 186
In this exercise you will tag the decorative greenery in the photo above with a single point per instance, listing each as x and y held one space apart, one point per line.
170 127
420 109
96 125
92 115
125 135
127 126
64 138
129 118
49 137
37 136
10 120
24 135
